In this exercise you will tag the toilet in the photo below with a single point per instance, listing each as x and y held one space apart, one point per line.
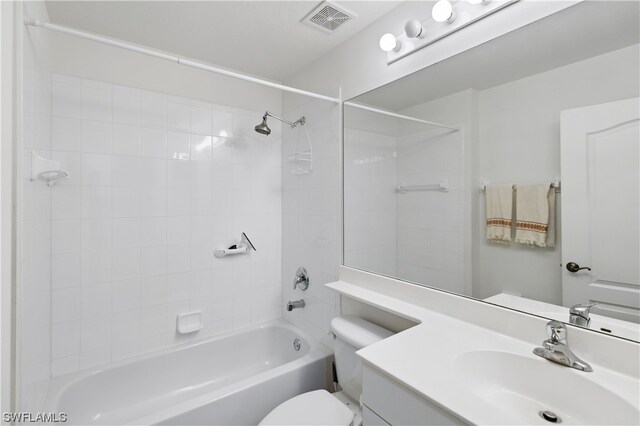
341 408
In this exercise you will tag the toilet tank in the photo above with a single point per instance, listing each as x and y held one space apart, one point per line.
352 334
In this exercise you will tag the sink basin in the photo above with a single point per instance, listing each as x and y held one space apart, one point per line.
523 386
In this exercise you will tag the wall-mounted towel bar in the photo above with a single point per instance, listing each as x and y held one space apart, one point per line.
442 186
555 184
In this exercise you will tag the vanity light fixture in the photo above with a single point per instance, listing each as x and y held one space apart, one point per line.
447 17
389 43
443 12
413 29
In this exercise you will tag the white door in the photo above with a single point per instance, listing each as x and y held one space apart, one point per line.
601 207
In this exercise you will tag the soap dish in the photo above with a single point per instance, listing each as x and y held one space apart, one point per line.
189 322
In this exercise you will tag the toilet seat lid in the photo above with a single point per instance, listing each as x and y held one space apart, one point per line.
311 408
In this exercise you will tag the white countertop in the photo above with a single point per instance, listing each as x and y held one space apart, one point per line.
423 357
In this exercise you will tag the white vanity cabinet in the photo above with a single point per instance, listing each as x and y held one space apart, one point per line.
387 402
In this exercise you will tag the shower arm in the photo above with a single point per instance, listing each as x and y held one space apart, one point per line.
300 120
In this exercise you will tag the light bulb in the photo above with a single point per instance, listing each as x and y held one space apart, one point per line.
413 29
443 11
388 42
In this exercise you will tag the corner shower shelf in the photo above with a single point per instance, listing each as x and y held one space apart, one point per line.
46 170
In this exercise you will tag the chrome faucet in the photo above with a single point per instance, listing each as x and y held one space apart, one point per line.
579 314
557 350
296 304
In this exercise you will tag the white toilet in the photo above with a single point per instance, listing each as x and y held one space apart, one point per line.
342 408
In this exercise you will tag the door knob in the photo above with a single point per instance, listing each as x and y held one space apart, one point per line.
574 267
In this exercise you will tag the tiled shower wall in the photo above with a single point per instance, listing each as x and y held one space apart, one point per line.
156 184
370 200
311 217
415 236
34 244
430 224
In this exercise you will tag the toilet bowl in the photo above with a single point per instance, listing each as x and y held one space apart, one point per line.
342 408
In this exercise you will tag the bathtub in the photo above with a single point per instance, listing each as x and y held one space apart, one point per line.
233 379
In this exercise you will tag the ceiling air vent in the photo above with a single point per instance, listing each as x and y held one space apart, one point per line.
328 17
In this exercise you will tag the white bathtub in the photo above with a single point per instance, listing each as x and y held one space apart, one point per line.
235 379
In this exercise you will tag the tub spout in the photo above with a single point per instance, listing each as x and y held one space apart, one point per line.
296 304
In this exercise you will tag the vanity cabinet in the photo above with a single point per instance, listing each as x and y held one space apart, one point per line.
387 402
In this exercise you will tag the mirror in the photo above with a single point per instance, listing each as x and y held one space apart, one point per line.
542 125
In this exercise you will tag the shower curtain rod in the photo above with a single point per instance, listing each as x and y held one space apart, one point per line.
396 115
172 58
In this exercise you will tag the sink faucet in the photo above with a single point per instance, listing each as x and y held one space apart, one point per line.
579 314
556 349
296 304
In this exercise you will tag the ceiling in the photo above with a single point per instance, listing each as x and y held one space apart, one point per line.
582 31
263 38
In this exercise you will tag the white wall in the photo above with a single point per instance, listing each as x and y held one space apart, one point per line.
157 183
311 218
370 198
77 57
33 210
358 65
165 167
519 142
8 107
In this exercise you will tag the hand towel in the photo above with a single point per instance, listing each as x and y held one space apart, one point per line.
551 230
499 213
532 215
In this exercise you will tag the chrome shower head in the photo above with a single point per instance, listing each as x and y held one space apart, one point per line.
262 128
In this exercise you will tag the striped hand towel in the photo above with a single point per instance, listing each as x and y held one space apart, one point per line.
499 213
532 215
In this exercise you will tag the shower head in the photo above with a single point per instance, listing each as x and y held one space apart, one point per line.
262 128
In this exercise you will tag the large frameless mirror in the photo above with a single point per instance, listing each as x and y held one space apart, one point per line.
509 172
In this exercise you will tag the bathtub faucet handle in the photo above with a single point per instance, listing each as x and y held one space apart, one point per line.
302 279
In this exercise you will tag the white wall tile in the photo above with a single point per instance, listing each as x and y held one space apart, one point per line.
126 139
126 108
65 304
126 233
65 270
154 111
126 201
154 142
125 295
178 147
66 202
66 133
96 300
125 264
96 104
153 261
66 236
96 170
96 137
201 119
178 173
153 202
67 99
95 333
133 228
178 116
65 339
96 202
201 147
